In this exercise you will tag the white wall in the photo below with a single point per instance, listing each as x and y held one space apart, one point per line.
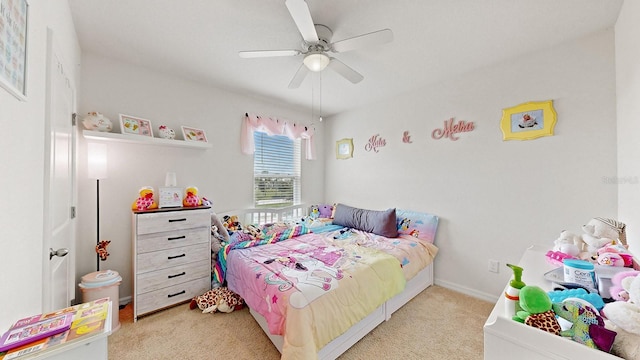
222 174
22 157
628 111
494 197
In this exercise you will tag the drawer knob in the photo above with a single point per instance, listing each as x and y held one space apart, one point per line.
177 256
176 275
177 238
176 220
176 294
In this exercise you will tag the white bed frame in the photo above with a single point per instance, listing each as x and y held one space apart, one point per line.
342 343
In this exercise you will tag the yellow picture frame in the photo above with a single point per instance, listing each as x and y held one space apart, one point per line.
528 121
344 148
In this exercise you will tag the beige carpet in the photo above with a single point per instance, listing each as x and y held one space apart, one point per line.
437 324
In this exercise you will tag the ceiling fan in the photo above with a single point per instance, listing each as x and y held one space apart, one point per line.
317 43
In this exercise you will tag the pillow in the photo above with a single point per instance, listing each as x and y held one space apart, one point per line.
378 222
325 210
420 225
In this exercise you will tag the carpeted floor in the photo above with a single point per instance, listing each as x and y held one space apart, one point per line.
433 325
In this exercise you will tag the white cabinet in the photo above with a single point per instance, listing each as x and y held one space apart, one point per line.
172 257
508 339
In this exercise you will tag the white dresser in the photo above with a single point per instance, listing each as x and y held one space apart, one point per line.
172 257
508 339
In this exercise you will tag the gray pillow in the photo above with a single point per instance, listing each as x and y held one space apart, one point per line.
377 222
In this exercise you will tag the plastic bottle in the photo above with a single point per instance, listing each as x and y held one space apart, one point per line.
512 294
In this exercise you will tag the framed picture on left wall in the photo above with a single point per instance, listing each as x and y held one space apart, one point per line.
13 46
135 125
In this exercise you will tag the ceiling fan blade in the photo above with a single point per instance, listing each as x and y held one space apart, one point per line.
301 15
363 41
267 53
298 77
347 72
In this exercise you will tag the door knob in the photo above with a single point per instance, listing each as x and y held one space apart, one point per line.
60 252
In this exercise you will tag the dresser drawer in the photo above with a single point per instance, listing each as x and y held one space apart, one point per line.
155 280
172 257
171 295
169 240
172 220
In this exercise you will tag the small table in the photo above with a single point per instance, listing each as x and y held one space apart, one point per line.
91 345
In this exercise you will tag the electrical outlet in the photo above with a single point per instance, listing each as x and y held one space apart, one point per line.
494 266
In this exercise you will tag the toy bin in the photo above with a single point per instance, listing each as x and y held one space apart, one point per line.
101 284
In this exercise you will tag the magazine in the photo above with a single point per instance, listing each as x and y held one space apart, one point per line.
86 319
34 328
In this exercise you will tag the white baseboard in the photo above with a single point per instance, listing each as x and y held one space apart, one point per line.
467 291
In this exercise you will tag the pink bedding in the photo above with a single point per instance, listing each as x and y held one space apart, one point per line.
313 287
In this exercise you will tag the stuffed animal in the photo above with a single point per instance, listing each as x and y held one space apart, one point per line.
97 122
325 211
587 326
626 314
191 198
219 299
537 310
145 201
620 284
314 212
253 231
599 232
231 223
166 133
101 249
569 243
618 251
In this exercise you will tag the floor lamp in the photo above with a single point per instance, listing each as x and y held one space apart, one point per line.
97 169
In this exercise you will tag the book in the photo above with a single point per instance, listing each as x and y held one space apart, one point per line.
34 328
87 319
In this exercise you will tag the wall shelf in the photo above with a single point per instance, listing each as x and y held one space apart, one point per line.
143 140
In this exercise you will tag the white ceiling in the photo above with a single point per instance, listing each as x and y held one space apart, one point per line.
433 40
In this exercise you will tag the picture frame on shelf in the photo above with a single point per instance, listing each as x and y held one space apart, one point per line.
528 121
13 41
135 125
193 134
344 148
170 197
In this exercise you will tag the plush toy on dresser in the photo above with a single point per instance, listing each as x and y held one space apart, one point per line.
145 201
587 326
191 198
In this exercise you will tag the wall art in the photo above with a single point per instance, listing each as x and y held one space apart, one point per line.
344 149
528 121
135 125
13 47
406 138
451 129
374 143
193 134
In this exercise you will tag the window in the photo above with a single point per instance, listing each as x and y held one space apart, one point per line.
276 170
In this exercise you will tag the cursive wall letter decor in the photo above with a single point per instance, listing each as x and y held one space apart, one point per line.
406 138
450 129
374 143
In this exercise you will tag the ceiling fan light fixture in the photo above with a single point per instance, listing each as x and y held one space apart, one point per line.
316 61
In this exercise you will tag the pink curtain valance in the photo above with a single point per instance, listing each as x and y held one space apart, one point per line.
275 126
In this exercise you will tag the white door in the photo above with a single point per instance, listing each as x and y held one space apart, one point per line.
59 232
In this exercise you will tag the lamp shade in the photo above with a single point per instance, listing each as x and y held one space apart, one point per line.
97 161
316 61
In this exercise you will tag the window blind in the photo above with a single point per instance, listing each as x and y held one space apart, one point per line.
276 170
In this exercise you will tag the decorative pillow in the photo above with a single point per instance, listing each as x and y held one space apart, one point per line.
420 225
325 210
378 222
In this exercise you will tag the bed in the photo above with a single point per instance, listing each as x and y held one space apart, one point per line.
316 290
